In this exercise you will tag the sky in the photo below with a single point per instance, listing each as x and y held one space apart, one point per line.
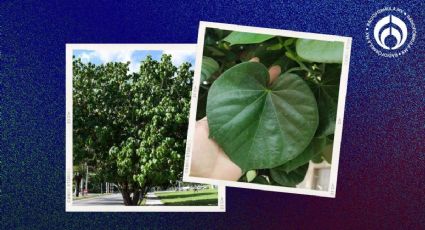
135 56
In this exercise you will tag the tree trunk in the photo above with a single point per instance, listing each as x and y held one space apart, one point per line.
77 186
144 191
126 198
127 193
136 197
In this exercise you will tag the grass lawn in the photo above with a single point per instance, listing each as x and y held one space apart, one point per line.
207 197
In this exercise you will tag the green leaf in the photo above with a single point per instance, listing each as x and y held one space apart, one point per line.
250 175
317 159
257 125
326 92
214 51
320 51
267 57
276 46
327 153
289 42
209 67
236 38
314 148
289 179
292 55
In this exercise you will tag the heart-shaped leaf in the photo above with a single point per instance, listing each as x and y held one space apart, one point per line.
289 179
320 51
238 38
257 125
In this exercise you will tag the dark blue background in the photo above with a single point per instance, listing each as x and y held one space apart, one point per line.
381 182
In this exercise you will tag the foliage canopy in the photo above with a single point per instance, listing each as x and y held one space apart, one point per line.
131 127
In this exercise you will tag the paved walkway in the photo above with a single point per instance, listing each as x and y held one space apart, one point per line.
152 200
113 199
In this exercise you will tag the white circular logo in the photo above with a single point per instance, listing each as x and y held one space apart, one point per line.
390 32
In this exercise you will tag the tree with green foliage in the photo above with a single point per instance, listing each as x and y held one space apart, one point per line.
131 127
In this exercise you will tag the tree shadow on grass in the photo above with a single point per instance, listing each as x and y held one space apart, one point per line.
174 196
204 202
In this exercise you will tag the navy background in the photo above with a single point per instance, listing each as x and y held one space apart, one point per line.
381 182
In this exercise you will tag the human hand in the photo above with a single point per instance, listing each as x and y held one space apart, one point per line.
208 159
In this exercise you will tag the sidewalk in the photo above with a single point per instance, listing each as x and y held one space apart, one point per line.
152 200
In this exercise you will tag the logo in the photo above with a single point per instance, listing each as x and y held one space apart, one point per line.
390 32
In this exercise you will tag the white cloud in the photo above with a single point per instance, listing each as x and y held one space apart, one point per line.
116 55
180 56
134 66
86 56
111 55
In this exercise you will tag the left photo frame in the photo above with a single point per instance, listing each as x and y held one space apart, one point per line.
127 115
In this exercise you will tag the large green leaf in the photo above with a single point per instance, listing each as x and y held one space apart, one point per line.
238 38
326 92
209 67
260 125
314 148
289 179
320 51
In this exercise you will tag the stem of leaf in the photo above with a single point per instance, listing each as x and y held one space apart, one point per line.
295 69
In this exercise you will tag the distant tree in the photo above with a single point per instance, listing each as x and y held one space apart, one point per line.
132 127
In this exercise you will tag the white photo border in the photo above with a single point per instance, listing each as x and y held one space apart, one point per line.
69 207
331 193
